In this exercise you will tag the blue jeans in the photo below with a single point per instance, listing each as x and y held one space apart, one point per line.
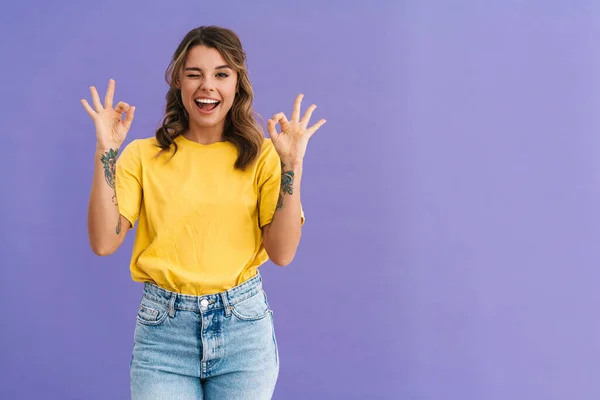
213 347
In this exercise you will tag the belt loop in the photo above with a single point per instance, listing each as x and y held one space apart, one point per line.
226 305
172 305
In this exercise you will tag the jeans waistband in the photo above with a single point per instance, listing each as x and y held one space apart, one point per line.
214 301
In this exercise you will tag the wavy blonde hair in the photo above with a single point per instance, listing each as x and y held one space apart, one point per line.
241 123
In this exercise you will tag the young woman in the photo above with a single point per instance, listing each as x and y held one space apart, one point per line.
214 199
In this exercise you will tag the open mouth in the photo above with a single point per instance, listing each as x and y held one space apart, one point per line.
207 104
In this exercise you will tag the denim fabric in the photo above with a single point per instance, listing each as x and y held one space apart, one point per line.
213 347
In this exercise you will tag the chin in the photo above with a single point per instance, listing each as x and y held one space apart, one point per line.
208 122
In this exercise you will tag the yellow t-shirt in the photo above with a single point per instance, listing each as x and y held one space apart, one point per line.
200 219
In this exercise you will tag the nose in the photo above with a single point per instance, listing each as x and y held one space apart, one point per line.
207 84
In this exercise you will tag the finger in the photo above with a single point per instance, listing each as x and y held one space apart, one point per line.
315 127
296 111
129 117
110 92
272 128
121 107
282 120
88 108
96 99
307 115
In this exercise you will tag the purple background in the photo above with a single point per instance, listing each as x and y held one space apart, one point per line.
451 246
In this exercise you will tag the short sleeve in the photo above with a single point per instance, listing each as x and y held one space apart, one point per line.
128 182
269 184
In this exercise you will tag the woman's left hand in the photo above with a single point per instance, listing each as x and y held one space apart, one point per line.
291 142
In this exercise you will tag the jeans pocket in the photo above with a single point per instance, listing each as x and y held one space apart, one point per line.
253 308
151 312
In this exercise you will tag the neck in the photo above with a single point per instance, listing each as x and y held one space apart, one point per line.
205 135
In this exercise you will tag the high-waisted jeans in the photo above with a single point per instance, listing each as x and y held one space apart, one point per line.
213 347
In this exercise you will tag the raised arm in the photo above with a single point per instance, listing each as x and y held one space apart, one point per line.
106 227
282 235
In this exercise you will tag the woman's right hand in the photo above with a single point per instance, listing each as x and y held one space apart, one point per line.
111 129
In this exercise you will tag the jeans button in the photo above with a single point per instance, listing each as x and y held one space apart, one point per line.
204 303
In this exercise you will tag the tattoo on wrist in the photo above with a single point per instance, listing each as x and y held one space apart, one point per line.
287 185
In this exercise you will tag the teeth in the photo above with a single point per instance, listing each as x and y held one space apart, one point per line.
206 101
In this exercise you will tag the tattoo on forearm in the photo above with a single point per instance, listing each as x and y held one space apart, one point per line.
109 161
287 185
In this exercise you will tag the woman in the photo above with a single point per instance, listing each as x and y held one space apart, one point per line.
214 199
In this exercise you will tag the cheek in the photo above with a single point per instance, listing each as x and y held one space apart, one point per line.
187 91
231 93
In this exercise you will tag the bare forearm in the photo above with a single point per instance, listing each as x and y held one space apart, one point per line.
105 226
285 230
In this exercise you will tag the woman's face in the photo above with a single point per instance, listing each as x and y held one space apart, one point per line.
208 87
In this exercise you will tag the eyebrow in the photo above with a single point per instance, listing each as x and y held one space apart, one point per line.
200 69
